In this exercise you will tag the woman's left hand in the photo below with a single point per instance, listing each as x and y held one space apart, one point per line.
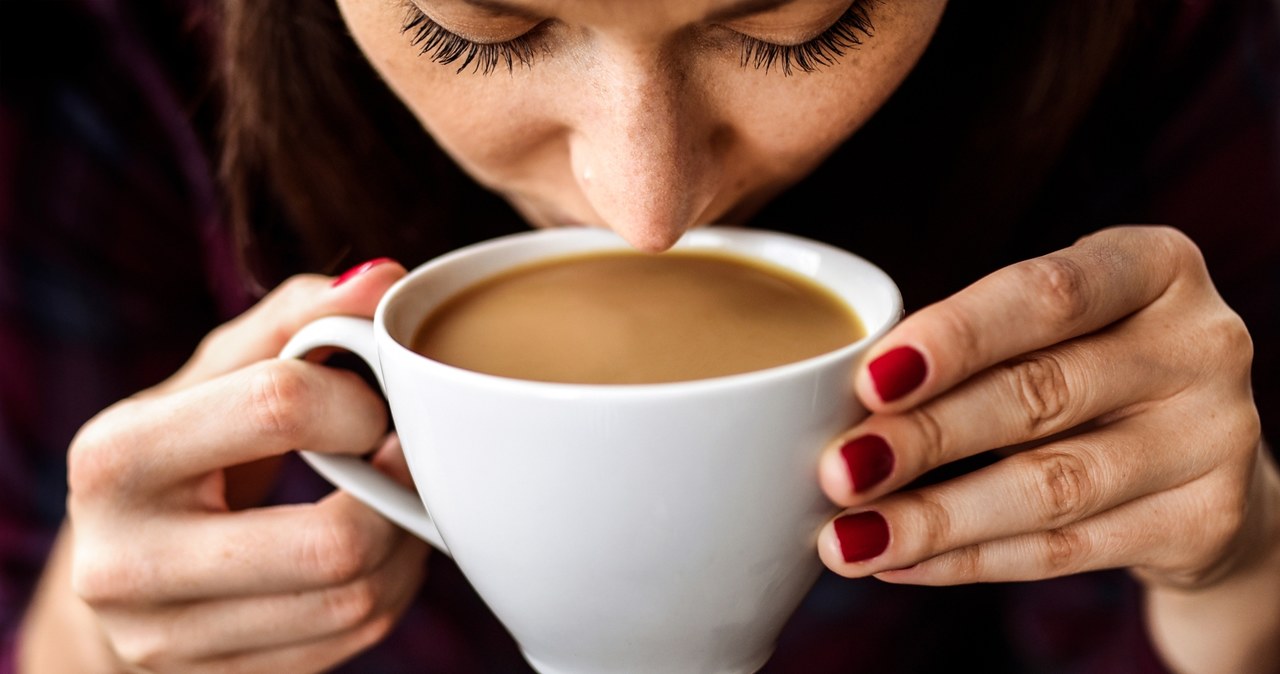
1114 382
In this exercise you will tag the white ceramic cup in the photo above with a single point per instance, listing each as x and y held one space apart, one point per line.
615 528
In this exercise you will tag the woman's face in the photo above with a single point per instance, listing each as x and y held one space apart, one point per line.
645 116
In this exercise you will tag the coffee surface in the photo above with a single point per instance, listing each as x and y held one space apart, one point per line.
635 318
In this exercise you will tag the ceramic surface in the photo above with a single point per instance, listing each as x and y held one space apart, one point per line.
646 528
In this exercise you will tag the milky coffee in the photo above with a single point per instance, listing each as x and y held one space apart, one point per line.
632 318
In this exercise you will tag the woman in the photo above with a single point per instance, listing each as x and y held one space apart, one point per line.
1078 413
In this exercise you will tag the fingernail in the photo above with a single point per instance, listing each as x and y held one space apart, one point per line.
897 372
870 460
862 535
358 270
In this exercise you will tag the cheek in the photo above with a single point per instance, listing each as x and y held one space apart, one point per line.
492 137
773 137
787 125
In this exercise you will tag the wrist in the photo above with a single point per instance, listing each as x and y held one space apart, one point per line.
1229 622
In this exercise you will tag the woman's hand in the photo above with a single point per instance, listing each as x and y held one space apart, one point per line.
1115 384
180 579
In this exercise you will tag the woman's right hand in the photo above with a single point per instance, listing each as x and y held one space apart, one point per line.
180 579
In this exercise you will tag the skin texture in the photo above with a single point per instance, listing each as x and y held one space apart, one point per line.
639 116
1116 382
1110 375
161 570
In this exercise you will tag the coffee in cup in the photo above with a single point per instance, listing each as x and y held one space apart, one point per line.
624 317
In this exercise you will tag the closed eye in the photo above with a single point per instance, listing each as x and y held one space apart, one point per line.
446 47
848 32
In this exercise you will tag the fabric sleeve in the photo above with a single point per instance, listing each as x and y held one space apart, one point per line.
105 201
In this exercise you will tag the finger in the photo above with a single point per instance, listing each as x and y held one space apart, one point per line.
1039 490
1023 399
262 331
264 410
389 458
317 657
1129 536
320 656
291 548
225 627
1022 308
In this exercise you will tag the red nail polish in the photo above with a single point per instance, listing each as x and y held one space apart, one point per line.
862 535
358 270
870 460
897 372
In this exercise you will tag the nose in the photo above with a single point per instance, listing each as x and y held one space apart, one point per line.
643 151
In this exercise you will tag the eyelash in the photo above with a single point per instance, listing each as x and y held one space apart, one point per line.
824 50
446 47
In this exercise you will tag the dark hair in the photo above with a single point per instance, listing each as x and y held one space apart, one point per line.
324 166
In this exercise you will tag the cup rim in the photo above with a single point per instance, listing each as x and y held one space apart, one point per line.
691 239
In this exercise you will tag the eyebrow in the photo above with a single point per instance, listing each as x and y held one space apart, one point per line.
736 10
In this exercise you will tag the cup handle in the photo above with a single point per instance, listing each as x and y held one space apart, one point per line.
388 497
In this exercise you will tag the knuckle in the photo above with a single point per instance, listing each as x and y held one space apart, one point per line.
1228 338
135 652
965 564
1224 510
373 631
278 396
1228 520
963 336
102 580
1239 438
97 458
1063 485
1060 283
933 441
214 339
1040 387
1064 549
334 551
935 524
352 604
1248 428
1217 508
141 649
90 582
1179 246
